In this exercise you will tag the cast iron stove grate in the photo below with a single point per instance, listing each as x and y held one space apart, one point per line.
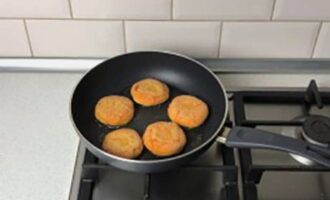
212 176
252 173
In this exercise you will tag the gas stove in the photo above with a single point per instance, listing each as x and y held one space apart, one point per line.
281 96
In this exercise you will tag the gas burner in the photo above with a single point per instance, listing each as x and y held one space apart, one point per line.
316 130
296 132
312 125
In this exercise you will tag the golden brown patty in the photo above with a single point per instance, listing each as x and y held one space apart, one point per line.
188 111
164 138
124 142
114 110
149 92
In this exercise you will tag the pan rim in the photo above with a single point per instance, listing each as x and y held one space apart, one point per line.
161 160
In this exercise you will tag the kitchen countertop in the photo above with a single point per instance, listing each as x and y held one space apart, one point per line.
37 141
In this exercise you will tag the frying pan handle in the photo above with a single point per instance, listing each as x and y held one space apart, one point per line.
242 137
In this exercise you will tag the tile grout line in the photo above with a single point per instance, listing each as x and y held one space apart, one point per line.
124 36
28 38
219 42
70 8
273 11
176 20
172 10
316 39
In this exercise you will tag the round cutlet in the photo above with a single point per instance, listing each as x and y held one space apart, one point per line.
149 92
114 110
164 138
188 111
124 142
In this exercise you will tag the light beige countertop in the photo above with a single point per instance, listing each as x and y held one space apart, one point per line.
37 141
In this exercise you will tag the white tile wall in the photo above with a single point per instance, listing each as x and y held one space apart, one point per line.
67 38
13 40
222 9
103 28
34 8
322 49
122 9
302 9
268 39
197 39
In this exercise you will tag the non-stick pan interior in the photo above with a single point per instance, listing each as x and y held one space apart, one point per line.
117 75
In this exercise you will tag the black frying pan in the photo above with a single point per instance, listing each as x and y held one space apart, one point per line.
117 75
183 76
